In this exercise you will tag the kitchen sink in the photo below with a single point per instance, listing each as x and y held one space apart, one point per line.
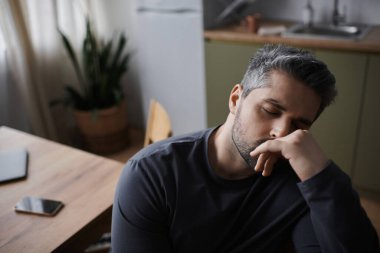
320 31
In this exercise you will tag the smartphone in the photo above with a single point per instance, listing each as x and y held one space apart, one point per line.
40 206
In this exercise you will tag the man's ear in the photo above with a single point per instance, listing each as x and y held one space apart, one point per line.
235 98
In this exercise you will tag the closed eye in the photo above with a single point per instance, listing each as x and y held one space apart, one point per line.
271 112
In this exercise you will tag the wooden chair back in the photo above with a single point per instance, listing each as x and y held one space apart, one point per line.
158 124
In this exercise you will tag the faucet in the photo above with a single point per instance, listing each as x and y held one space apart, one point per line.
337 17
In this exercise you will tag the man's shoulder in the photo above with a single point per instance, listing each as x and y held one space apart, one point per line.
169 158
174 145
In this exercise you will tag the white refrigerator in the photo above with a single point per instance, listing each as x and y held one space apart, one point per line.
170 60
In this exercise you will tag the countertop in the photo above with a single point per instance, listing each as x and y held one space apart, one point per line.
240 34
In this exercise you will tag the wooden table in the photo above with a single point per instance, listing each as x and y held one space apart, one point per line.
83 181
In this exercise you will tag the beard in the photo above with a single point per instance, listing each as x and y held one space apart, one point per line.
241 143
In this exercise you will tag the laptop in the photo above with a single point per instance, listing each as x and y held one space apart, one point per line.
13 164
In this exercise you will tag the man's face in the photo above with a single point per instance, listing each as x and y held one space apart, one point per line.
274 111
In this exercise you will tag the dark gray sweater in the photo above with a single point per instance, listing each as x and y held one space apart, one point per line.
170 200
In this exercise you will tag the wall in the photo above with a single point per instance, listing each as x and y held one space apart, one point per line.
363 11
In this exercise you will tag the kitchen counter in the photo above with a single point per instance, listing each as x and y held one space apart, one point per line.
240 34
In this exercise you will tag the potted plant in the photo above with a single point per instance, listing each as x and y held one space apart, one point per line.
99 104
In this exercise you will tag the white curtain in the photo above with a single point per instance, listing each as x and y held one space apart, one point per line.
13 72
34 66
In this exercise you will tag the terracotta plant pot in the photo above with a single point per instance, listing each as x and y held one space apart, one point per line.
104 131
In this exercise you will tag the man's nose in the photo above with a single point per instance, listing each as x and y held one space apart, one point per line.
280 129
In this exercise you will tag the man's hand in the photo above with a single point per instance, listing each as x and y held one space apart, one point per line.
300 148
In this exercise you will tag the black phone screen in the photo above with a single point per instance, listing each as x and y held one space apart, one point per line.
37 205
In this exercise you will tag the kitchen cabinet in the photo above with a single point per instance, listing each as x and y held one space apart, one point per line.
336 129
226 64
366 173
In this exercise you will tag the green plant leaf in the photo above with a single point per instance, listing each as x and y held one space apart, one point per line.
73 97
103 65
90 56
74 60
119 50
105 55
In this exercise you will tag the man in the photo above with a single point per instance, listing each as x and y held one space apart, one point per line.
253 184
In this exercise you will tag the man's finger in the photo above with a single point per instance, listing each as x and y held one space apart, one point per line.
261 162
269 163
272 146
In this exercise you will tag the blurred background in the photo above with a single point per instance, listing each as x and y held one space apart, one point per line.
187 54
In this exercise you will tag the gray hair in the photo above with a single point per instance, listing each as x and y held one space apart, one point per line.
299 64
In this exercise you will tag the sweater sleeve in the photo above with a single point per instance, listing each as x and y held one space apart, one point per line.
138 216
340 223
